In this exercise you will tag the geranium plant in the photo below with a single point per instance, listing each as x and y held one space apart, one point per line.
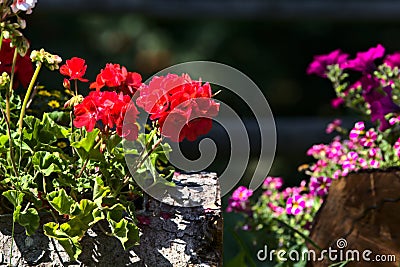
368 84
68 166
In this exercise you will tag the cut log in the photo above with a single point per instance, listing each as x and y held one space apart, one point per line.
170 236
361 213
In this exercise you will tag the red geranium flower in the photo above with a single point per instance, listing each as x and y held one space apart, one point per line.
75 68
110 109
117 78
23 66
183 107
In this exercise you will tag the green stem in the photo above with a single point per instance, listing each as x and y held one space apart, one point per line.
12 239
10 88
33 80
76 87
1 39
299 233
10 142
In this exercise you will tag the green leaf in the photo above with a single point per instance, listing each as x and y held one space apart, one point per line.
99 191
88 142
60 201
49 126
83 216
14 197
84 147
126 232
47 162
238 260
69 243
28 218
115 213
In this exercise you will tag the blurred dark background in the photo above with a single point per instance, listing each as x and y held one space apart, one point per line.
270 41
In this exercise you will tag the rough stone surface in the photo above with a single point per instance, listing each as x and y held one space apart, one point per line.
364 210
170 236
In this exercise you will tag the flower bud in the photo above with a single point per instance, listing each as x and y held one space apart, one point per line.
4 81
49 60
67 84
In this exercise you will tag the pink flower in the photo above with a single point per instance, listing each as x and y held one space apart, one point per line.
364 61
242 193
337 174
373 152
320 63
238 202
319 165
277 210
295 205
394 120
319 185
273 182
350 163
374 164
315 150
363 163
23 5
392 60
369 139
357 130
396 147
336 102
333 126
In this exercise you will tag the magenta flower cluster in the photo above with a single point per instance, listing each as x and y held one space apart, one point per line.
239 202
372 93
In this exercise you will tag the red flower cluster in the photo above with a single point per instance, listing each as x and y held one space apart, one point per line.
118 78
75 68
109 108
183 107
23 65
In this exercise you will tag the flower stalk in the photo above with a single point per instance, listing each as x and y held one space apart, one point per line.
27 96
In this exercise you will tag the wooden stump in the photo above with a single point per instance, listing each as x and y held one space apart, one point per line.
170 236
364 210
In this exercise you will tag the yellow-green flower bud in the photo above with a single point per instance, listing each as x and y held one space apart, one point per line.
4 81
49 60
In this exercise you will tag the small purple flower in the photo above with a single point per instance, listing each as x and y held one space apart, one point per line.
364 61
396 147
320 63
335 125
319 185
363 163
392 60
374 164
369 139
295 205
315 150
242 193
357 130
337 174
373 152
273 182
336 102
350 163
319 165
277 210
238 202
394 120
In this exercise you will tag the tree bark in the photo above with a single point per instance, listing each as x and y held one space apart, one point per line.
361 212
170 236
